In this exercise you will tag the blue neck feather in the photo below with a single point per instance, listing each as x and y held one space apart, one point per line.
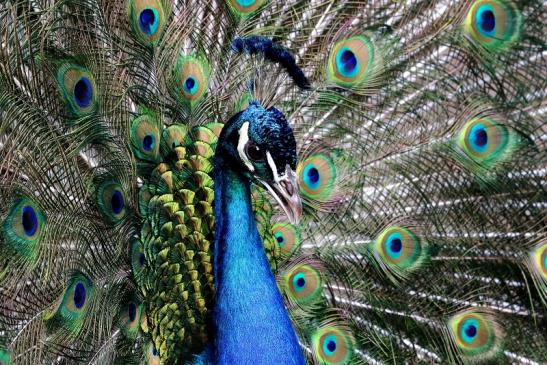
251 322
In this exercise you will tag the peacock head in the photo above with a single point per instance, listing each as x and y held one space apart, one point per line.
259 144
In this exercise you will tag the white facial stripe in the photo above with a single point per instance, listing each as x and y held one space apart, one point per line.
243 139
272 166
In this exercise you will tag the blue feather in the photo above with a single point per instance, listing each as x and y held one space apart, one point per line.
248 301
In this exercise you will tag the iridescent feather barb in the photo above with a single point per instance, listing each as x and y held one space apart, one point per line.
413 130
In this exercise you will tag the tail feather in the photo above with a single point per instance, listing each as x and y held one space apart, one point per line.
420 137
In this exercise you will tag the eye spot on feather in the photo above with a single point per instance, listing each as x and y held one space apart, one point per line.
348 61
488 20
303 283
138 260
73 305
83 92
132 311
299 282
475 334
144 134
396 245
399 248
111 201
130 319
152 354
190 85
29 220
22 228
470 330
79 295
312 175
494 24
480 137
316 177
117 202
148 142
287 237
245 8
191 75
78 89
332 346
485 19
539 260
147 19
351 61
329 345
485 141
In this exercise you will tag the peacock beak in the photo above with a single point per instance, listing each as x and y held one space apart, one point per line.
285 191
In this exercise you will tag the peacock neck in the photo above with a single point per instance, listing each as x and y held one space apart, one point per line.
251 322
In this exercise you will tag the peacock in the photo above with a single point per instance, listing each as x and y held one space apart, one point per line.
273 182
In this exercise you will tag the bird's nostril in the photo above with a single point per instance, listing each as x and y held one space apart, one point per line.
288 187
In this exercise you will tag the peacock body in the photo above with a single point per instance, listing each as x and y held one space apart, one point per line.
307 181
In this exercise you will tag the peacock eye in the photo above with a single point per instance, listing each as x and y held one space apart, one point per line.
254 152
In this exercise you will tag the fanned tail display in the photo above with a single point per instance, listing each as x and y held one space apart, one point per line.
406 226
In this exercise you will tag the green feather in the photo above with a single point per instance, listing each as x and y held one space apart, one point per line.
486 143
5 358
332 345
423 123
147 19
23 228
475 335
303 283
351 61
111 201
174 136
245 8
72 307
287 237
399 250
494 24
145 137
78 88
190 77
130 319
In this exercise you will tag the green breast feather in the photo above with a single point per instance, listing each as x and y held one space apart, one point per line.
178 233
